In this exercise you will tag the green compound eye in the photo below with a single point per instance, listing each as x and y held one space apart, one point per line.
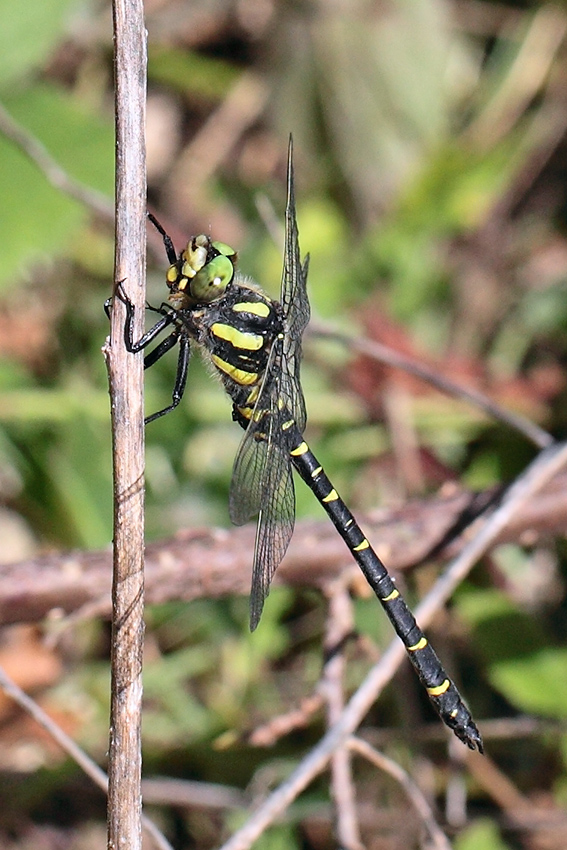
211 282
224 249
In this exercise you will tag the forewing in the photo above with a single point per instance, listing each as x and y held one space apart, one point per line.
295 304
262 479
262 484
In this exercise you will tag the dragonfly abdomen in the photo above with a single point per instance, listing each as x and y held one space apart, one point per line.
442 692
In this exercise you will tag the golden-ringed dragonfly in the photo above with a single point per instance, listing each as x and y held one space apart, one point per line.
254 343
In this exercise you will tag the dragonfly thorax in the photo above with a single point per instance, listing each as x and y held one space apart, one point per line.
237 333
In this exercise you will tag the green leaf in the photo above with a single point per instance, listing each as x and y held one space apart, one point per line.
39 222
482 835
536 683
191 73
29 33
520 663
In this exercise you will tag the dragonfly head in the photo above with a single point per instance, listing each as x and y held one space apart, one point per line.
202 274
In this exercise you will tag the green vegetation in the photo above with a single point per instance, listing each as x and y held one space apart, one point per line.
429 145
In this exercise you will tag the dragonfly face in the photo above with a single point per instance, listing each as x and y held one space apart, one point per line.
202 273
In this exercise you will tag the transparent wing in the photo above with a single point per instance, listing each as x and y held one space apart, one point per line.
262 481
248 474
262 484
275 527
295 306
247 484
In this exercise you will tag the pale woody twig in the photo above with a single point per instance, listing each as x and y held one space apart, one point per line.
413 792
87 765
384 354
339 625
126 379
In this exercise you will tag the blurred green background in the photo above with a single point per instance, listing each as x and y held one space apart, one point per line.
430 147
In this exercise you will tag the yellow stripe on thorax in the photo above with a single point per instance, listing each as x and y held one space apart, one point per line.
237 375
239 339
257 308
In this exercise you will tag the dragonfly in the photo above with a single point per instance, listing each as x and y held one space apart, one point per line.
254 343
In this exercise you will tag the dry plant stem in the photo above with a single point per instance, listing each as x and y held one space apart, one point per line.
438 838
383 354
67 744
339 625
544 467
283 724
52 171
126 390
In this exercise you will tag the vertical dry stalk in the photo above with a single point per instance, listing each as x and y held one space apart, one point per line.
126 388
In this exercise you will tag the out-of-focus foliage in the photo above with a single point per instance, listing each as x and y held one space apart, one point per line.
430 141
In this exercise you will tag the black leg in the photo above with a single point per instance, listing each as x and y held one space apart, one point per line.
177 335
149 336
169 249
166 345
180 378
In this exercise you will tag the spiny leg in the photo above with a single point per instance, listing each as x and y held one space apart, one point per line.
181 376
166 345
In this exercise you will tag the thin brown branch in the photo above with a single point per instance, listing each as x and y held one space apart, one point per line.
126 391
412 791
204 563
541 470
383 354
87 765
547 819
298 718
340 623
187 793
52 171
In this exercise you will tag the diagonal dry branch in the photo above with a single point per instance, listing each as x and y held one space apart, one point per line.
79 756
204 563
537 474
397 360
